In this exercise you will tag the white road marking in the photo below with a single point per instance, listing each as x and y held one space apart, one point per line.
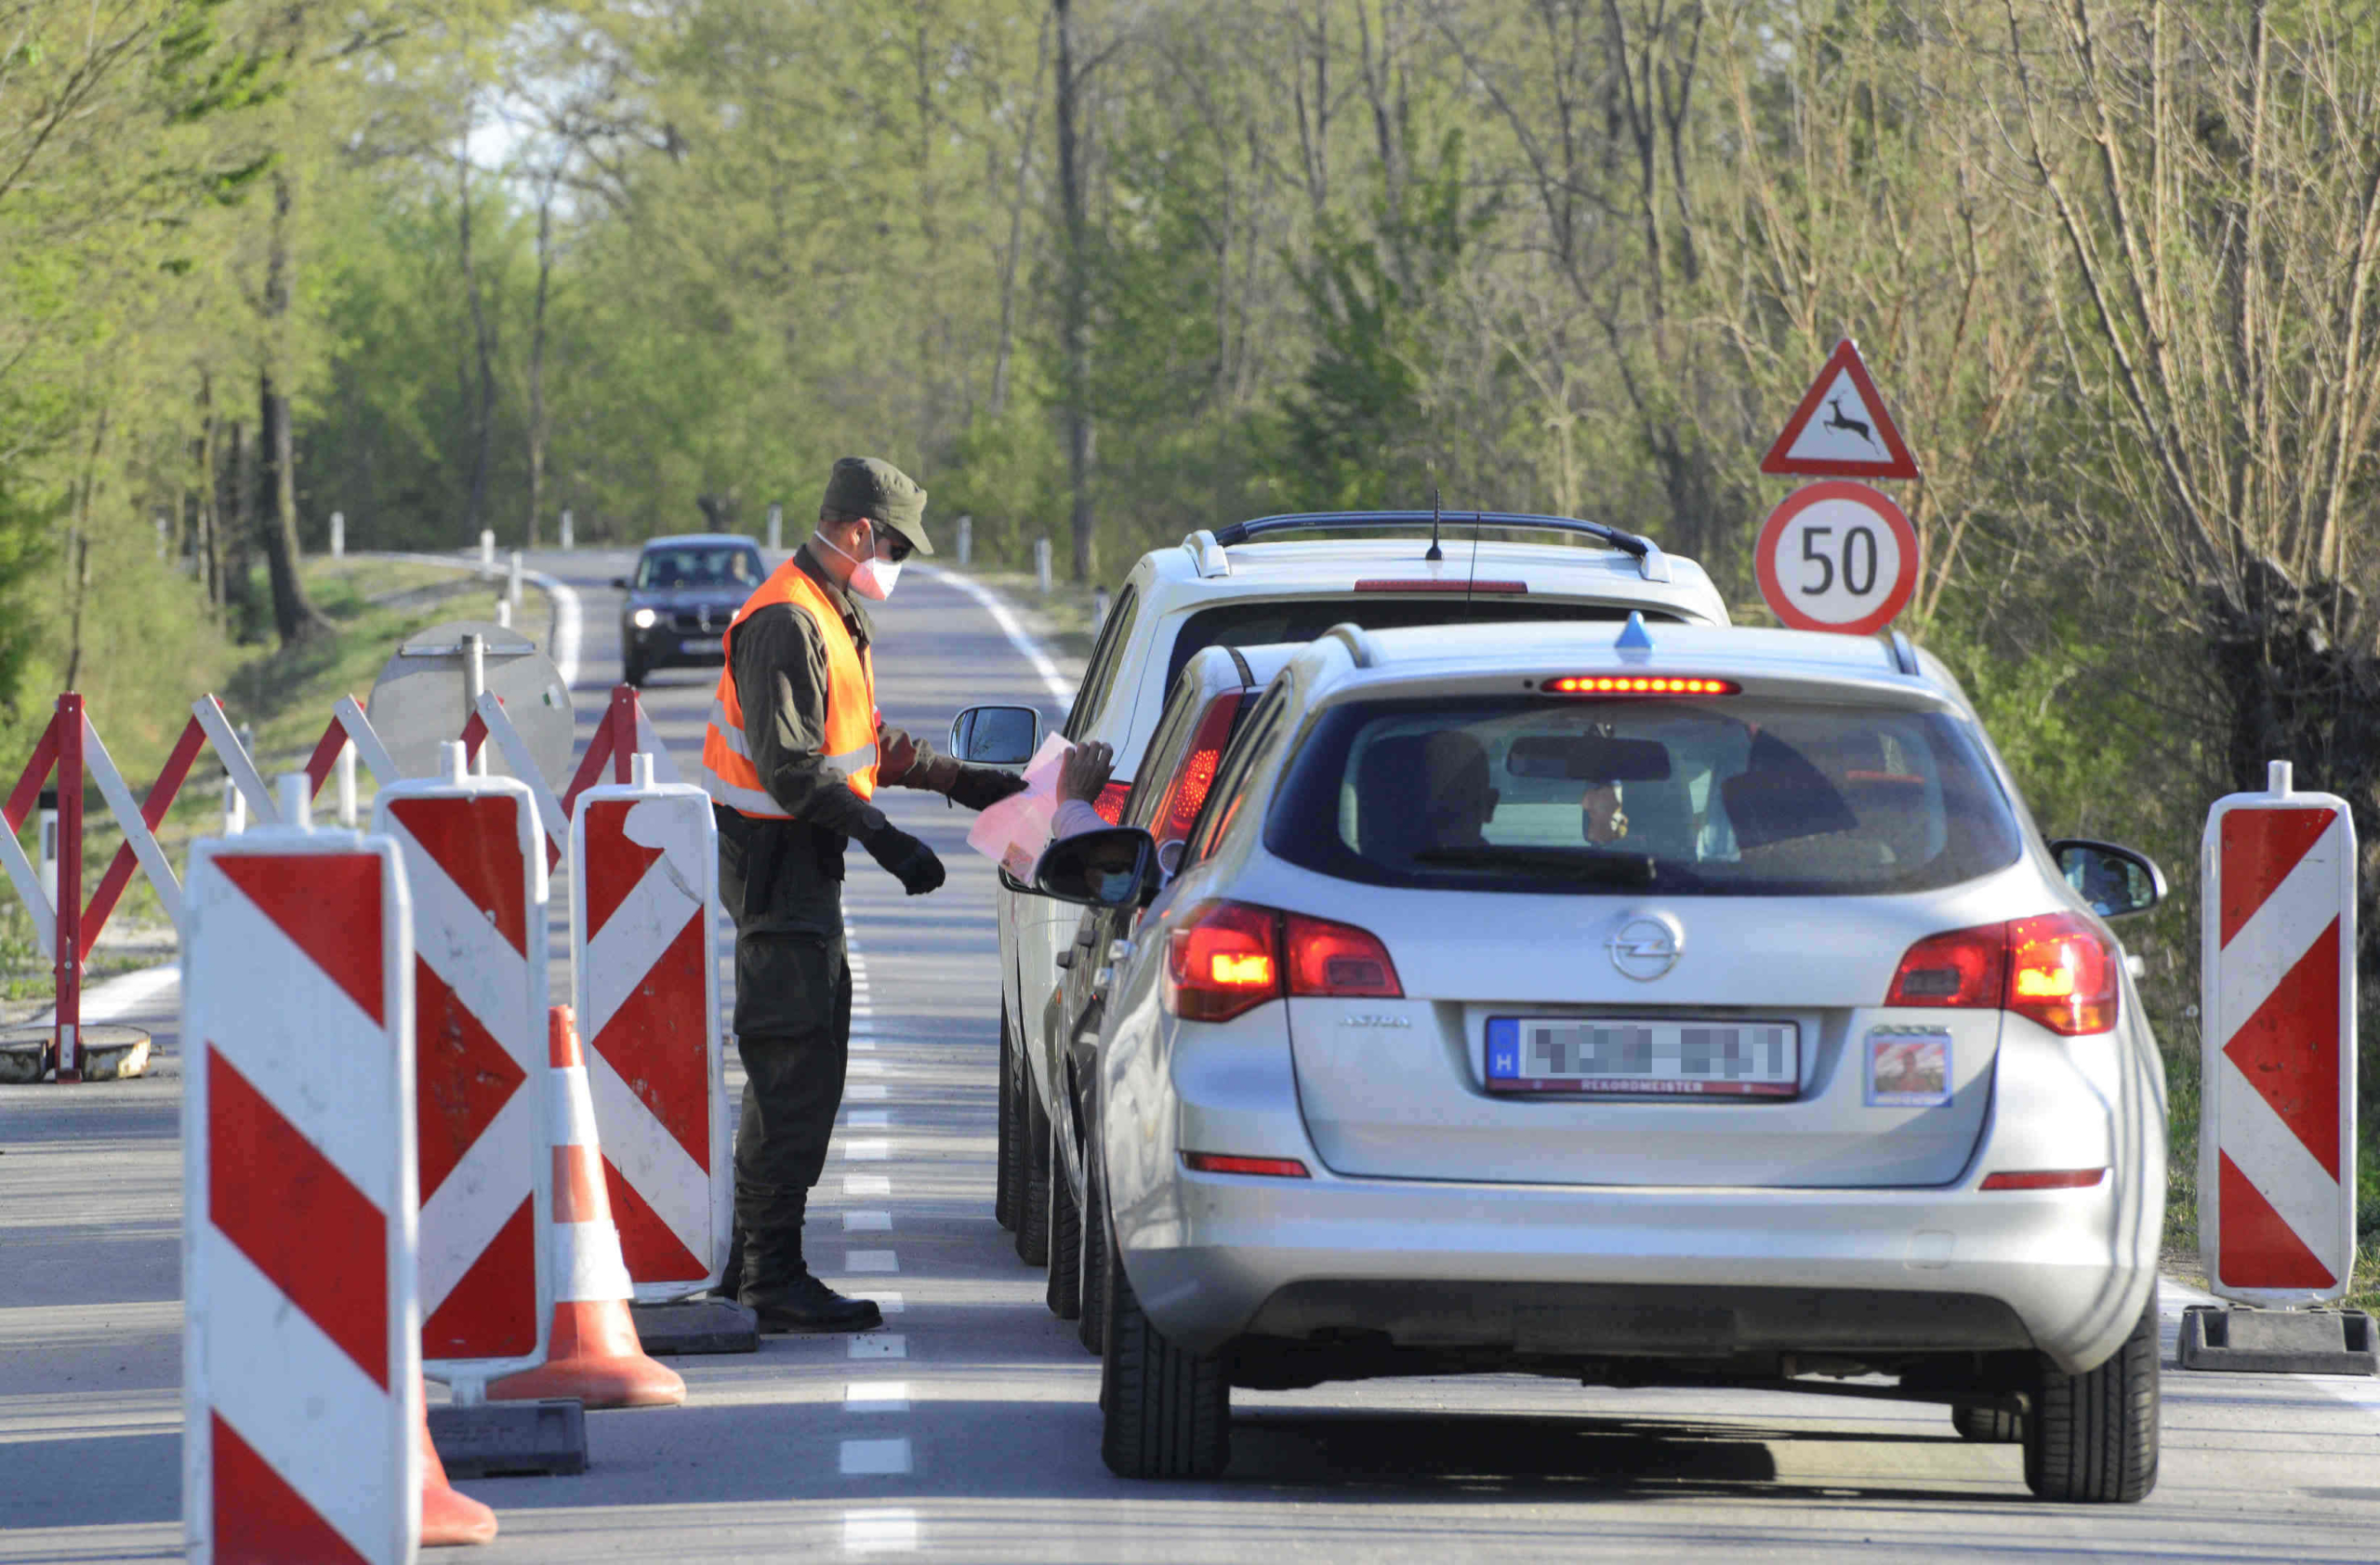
866 1184
120 997
875 1458
879 1532
867 1222
866 1067
869 1118
866 1092
876 1396
1026 647
857 1261
879 1345
871 1152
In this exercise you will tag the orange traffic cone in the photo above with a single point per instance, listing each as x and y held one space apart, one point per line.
593 1353
447 1516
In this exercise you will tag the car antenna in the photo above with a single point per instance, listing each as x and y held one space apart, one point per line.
1435 553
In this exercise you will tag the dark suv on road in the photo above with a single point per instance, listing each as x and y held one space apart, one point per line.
680 599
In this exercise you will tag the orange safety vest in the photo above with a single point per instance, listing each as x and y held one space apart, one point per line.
852 717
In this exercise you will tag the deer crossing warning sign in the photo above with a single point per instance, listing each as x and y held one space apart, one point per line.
1841 429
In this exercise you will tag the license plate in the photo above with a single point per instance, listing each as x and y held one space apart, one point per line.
699 645
1637 1056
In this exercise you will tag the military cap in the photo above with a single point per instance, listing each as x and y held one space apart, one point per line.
873 487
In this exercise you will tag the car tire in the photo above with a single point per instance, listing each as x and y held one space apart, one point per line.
1033 1187
1005 1174
633 672
1987 1426
1164 1414
1065 1292
1093 1327
2092 1437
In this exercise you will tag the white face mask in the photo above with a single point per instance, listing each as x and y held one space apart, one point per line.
872 577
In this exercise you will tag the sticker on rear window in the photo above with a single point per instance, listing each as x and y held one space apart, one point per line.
1908 1067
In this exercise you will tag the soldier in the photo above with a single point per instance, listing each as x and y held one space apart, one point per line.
794 754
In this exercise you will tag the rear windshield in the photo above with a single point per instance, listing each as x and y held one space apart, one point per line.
1736 796
1304 620
699 566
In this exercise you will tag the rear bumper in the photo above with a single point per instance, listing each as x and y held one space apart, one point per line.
1440 1264
662 647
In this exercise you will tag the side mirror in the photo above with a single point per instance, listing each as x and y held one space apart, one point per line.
621 582
996 735
2117 881
1110 868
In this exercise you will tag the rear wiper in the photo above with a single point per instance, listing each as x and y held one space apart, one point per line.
1571 864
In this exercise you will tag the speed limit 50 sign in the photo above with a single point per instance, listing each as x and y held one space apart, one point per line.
1837 556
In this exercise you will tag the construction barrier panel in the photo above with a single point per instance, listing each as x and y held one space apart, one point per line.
645 985
476 866
2276 1138
301 1350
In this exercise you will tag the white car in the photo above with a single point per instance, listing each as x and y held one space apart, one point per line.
1277 579
1687 1006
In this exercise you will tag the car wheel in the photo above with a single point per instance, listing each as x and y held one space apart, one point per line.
1094 1250
1987 1426
2093 1436
634 672
1004 1178
1065 1244
1033 1188
1164 1414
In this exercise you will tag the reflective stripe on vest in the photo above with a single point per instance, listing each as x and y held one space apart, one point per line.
729 776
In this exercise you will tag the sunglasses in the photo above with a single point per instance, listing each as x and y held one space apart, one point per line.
890 543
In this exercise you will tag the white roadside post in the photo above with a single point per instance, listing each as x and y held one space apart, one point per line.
1041 564
2277 1086
513 586
487 552
568 543
777 528
966 538
339 535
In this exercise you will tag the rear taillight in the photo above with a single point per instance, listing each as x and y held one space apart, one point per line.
1110 803
2062 974
1187 789
1337 958
1963 968
1228 958
1229 1163
2045 1179
2055 969
1640 684
1221 961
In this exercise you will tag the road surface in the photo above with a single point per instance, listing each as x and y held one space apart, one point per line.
968 1429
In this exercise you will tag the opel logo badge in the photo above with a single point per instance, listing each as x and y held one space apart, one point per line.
1647 946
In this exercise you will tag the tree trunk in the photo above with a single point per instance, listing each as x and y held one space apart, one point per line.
210 496
537 360
240 472
293 615
483 403
1074 291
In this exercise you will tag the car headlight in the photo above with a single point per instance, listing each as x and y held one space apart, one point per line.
643 619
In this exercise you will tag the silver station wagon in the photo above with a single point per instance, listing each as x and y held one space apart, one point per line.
1680 1006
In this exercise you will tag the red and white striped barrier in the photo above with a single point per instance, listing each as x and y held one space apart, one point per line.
475 863
301 1388
2277 1122
645 981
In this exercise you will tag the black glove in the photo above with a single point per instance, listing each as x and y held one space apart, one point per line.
910 861
980 786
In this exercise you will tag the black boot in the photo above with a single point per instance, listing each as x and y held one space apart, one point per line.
779 1289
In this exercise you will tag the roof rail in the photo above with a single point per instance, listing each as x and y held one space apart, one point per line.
1651 563
1206 556
1359 645
1904 655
